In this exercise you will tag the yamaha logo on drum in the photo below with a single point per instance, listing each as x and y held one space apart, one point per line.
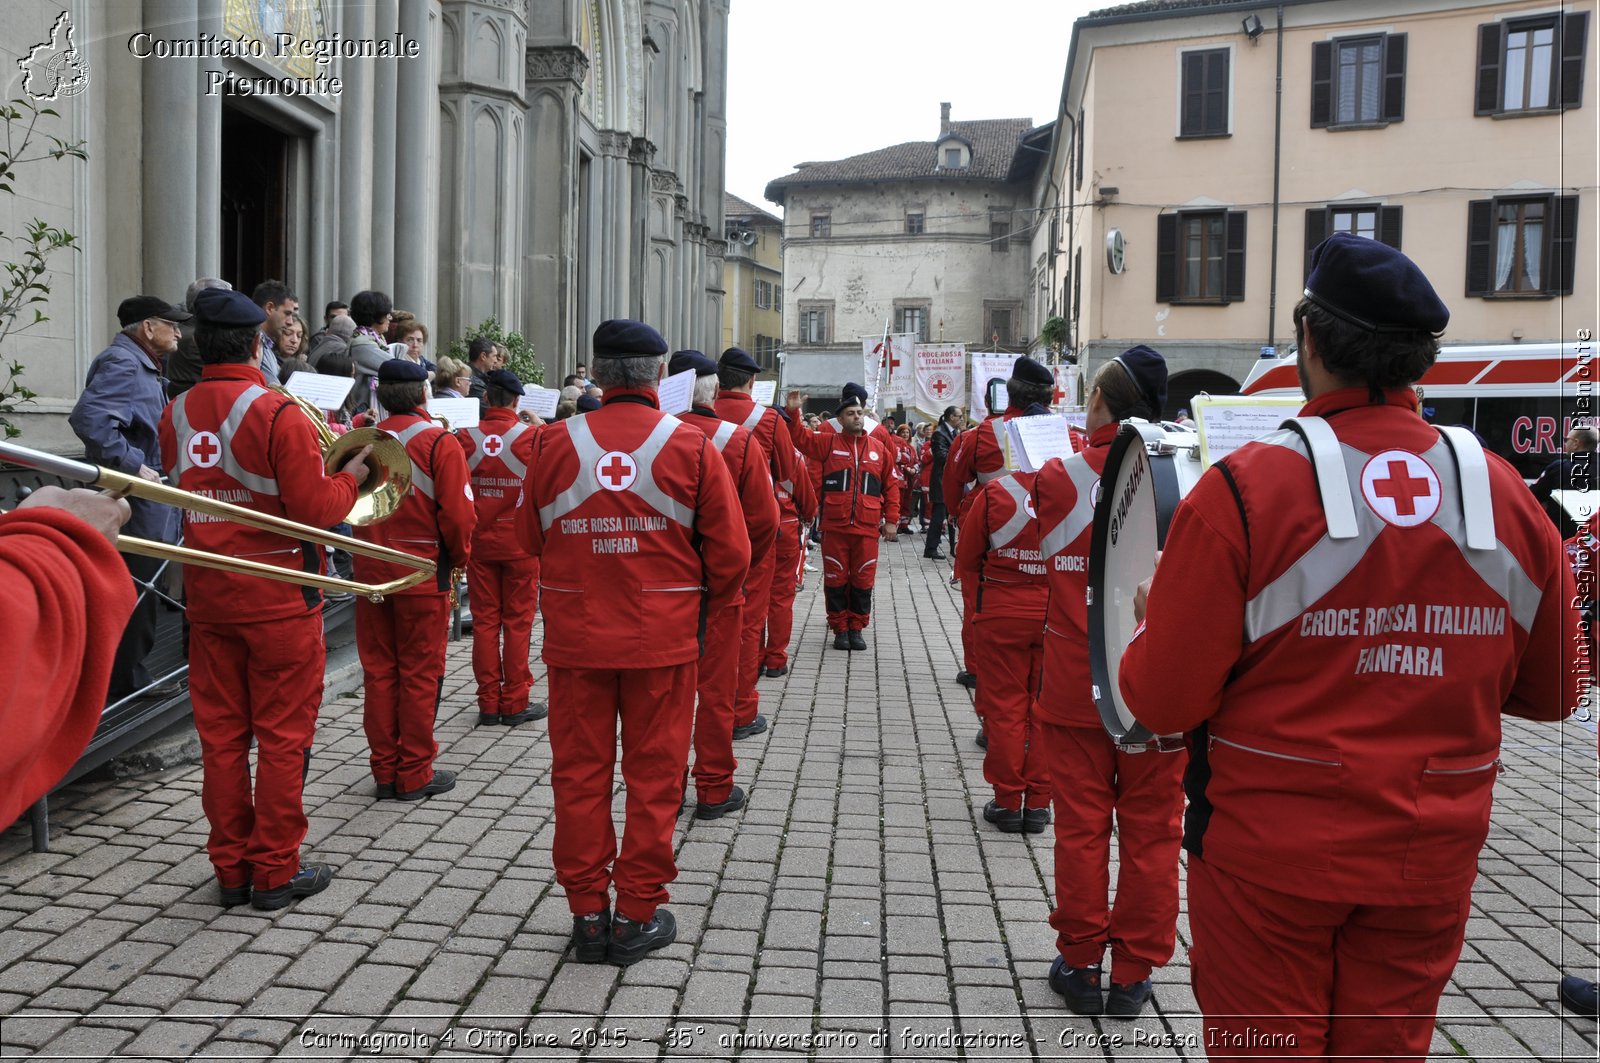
1129 489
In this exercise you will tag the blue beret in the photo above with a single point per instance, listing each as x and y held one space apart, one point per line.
588 404
621 338
1148 370
401 371
682 360
1029 371
854 395
225 308
1372 286
738 358
505 380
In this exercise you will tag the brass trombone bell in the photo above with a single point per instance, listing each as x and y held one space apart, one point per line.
388 465
121 483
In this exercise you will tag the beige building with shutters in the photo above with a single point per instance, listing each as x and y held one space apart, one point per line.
752 276
1185 192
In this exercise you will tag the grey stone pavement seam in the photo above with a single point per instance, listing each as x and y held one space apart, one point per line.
858 908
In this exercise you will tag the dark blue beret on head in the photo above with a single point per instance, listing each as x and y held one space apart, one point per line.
1029 371
738 358
505 380
682 360
588 404
854 395
225 308
1148 371
401 371
621 338
1372 286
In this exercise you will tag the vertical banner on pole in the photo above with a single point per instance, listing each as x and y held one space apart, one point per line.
986 367
886 362
941 377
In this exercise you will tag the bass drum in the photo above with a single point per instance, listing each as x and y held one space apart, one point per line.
1148 471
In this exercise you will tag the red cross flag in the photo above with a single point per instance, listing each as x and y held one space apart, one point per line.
887 361
941 377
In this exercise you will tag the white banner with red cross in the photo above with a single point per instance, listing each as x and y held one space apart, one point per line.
987 367
941 377
886 364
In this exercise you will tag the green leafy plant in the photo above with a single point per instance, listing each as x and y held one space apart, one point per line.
523 361
26 282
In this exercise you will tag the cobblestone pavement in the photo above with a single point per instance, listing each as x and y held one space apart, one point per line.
859 908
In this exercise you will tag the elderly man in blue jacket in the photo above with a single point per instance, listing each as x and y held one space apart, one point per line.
116 418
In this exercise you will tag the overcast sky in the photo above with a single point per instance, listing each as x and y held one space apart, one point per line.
826 79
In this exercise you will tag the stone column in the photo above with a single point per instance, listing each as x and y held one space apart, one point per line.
170 186
208 162
640 154
553 78
415 172
354 205
385 93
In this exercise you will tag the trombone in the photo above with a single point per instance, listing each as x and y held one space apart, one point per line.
123 484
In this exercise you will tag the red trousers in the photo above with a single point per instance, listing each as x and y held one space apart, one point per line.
757 595
1014 764
1280 976
401 641
969 605
656 708
849 569
505 596
1091 780
260 680
788 557
716 686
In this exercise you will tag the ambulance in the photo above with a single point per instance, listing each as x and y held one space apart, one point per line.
1521 398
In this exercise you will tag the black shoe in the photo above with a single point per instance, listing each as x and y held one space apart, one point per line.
442 782
233 896
384 791
967 679
537 711
1079 985
983 738
1035 820
309 880
632 942
1580 996
935 556
488 719
754 727
1127 1001
1007 820
735 801
590 935
841 640
781 670
856 641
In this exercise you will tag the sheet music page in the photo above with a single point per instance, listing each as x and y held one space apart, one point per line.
1035 440
764 391
461 413
542 401
322 391
676 392
1227 422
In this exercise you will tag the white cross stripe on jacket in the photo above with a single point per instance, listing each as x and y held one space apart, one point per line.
511 461
1066 533
867 425
753 418
998 427
644 483
1004 535
261 485
720 437
419 479
1329 562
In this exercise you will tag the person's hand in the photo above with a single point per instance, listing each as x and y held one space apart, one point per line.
793 400
357 465
103 512
890 531
531 418
1141 594
147 473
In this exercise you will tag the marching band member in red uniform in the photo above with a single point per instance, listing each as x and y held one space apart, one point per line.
997 554
1093 778
906 462
714 730
502 577
858 503
402 639
255 647
634 519
1338 625
67 596
735 372
797 509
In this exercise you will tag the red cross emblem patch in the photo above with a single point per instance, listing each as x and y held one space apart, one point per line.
493 445
1401 488
204 449
616 471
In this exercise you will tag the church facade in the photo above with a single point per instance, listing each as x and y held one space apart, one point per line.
548 163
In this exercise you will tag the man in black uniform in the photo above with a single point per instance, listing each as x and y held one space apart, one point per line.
943 437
